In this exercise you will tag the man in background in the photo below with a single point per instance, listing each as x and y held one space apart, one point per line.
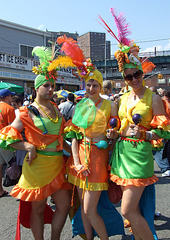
7 116
66 108
107 89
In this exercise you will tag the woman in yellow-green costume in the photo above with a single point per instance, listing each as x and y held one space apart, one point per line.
88 166
139 110
43 172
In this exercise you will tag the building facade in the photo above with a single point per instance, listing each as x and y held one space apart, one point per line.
16 60
159 77
94 46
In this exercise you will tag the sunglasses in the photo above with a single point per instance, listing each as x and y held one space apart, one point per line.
129 77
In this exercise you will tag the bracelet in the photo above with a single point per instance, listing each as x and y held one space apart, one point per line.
142 134
149 135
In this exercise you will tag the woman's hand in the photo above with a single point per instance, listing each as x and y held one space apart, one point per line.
112 134
83 169
135 130
32 154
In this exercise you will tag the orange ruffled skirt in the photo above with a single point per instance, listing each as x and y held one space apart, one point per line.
98 166
42 178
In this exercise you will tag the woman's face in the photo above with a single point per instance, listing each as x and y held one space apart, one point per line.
93 88
133 77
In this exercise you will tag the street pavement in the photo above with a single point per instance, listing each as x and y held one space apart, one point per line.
9 210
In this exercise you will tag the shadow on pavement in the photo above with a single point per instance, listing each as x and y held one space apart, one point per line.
164 225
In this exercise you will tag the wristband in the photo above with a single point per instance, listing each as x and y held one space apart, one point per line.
150 135
142 134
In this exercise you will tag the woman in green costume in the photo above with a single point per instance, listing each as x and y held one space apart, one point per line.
132 165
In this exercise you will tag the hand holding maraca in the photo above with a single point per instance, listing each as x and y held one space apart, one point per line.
112 133
134 128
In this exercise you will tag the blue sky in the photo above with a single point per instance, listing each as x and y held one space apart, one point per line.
149 20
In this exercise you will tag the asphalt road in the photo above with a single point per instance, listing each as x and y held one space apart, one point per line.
9 210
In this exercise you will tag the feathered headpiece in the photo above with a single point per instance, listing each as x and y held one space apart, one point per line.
73 51
127 55
49 64
46 57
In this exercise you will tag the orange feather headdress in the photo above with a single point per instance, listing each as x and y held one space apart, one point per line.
73 51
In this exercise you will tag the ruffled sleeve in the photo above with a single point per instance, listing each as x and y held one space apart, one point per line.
161 133
72 131
9 135
161 128
160 121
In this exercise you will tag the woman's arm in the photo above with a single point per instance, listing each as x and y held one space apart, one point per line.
114 109
77 164
157 105
21 145
30 148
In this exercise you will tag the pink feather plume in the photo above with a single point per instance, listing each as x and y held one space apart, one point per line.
122 27
108 28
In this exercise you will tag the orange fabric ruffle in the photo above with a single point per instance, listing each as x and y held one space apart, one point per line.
160 121
133 182
10 132
38 194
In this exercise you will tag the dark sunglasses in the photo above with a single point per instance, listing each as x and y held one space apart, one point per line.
129 77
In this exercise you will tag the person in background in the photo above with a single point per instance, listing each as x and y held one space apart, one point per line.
116 97
16 102
7 116
166 151
160 158
107 89
66 108
54 97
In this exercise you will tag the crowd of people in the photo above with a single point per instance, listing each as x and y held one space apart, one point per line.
107 138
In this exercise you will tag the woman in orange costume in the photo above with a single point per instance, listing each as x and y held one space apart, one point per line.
89 164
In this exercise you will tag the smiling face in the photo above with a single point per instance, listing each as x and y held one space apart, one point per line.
134 77
93 88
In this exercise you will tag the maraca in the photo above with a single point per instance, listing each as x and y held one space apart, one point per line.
136 119
113 122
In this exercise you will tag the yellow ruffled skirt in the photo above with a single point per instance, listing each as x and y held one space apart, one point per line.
40 179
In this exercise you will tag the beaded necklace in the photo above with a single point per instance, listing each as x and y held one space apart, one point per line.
51 119
97 102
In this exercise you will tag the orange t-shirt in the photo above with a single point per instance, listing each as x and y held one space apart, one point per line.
7 114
